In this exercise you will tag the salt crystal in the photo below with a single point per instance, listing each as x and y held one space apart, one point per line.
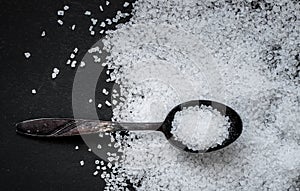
76 147
73 64
56 70
43 33
95 173
72 55
90 100
73 27
102 24
66 7
126 4
82 64
87 13
81 163
101 8
109 22
53 75
114 102
94 21
60 12
107 3
108 103
33 91
27 54
60 22
105 92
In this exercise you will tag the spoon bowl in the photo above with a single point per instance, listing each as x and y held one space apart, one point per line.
235 129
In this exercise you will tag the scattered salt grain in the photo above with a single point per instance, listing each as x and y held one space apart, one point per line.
102 24
53 75
27 54
60 22
76 147
33 91
105 92
68 62
81 163
90 100
66 7
75 50
73 64
73 27
101 8
99 105
107 3
109 22
82 64
72 55
88 13
108 103
94 21
60 12
56 70
43 33
95 173
126 4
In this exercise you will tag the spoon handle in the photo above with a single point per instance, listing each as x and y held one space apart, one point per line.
59 127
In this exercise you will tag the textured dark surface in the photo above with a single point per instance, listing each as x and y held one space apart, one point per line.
36 164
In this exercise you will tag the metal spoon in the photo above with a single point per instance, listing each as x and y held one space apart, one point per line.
60 127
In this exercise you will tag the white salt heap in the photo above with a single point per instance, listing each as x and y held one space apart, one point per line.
244 54
200 128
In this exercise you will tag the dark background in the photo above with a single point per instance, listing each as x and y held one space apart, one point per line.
37 164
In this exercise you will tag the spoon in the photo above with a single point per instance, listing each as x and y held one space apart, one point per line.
61 127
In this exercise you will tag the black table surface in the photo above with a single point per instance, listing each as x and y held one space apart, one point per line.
31 164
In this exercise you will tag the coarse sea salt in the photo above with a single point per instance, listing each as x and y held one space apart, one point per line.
241 53
60 22
73 27
27 54
88 13
33 91
43 33
81 163
200 128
